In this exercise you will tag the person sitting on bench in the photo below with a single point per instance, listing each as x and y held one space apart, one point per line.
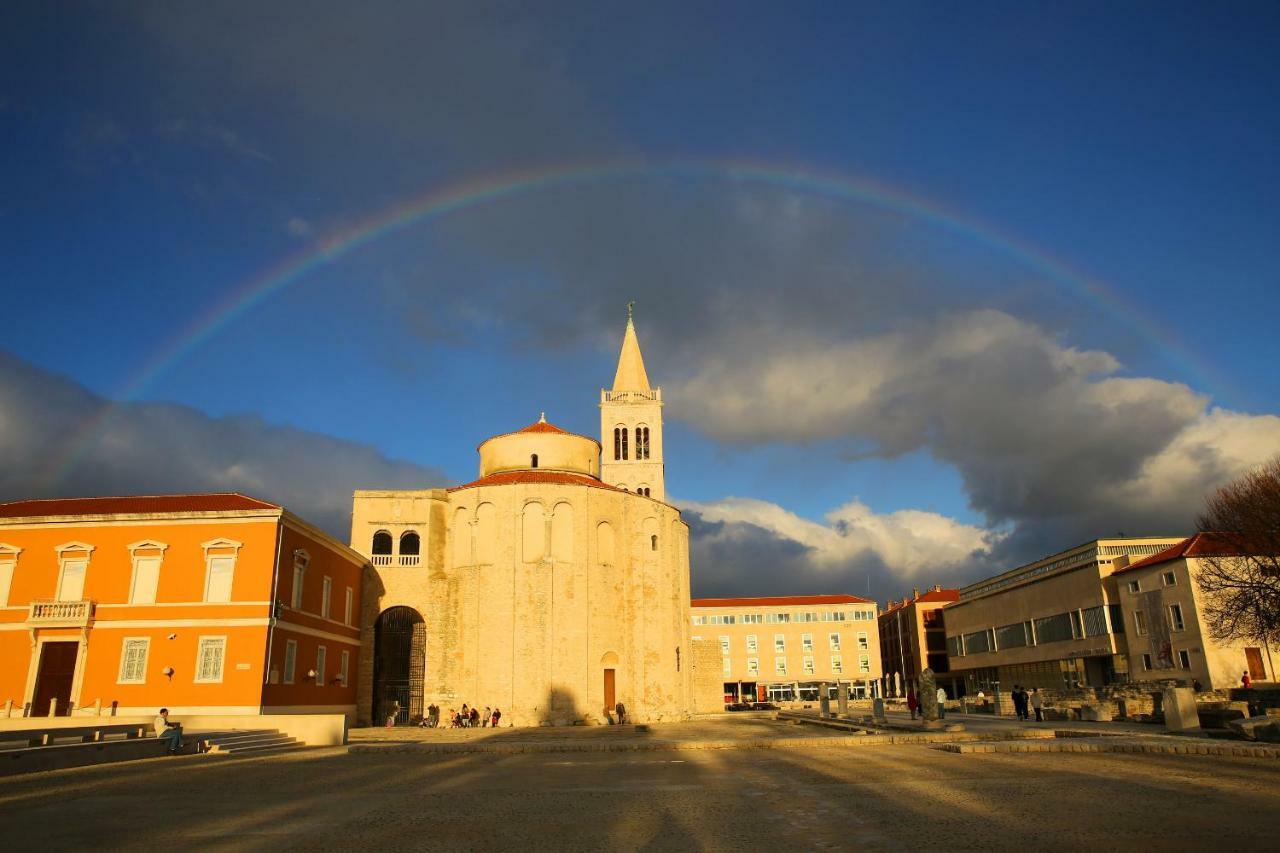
172 732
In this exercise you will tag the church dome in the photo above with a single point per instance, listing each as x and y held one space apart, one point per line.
540 446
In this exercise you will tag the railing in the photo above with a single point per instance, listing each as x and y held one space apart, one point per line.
391 559
653 396
75 613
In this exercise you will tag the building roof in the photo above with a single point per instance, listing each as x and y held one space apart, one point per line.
780 601
560 478
541 425
133 505
945 596
631 375
1199 545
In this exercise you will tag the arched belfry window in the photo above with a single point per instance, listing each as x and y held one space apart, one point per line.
642 442
410 544
382 542
533 461
620 442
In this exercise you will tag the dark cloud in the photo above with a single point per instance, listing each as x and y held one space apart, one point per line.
150 448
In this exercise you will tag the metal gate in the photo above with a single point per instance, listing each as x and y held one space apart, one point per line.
399 665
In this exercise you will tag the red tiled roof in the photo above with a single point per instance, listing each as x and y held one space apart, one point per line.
543 426
539 427
560 478
947 596
1200 545
780 600
133 505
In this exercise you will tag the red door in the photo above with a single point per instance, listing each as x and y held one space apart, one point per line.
1257 671
610 698
53 681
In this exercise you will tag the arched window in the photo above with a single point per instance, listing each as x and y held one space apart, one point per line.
620 442
410 543
642 490
382 542
642 442
533 461
653 542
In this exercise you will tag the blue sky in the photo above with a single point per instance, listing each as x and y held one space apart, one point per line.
156 157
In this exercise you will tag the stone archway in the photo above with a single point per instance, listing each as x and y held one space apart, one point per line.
399 665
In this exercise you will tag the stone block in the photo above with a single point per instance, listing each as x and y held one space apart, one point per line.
1096 713
1263 728
1180 712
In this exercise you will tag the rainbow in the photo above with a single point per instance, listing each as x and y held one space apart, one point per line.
432 204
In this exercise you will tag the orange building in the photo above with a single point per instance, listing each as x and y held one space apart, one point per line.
205 604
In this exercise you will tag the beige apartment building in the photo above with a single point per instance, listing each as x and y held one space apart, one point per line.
1053 623
1164 622
913 636
782 649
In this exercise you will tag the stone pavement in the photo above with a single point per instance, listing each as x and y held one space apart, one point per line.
871 799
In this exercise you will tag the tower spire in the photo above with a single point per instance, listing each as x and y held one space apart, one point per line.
631 375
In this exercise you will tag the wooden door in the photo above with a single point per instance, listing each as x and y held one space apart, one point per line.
53 681
610 697
1256 670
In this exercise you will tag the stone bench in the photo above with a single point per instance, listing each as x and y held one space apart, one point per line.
33 737
59 756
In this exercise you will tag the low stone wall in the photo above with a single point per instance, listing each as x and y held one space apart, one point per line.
311 729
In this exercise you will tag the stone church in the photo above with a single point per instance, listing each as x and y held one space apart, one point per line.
553 586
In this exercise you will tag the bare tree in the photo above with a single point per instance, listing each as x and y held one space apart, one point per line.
1240 561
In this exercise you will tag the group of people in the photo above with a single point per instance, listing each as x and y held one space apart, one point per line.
914 704
464 718
1024 703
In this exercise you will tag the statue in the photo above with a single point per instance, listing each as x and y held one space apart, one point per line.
928 696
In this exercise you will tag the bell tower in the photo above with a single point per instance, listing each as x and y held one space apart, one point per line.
631 424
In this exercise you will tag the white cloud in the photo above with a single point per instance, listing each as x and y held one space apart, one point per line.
910 544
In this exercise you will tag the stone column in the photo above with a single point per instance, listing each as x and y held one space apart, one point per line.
824 700
842 698
927 693
1180 712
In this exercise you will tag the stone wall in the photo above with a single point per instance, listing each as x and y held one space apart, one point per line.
531 591
708 677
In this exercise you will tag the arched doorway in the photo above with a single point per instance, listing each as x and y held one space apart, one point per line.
399 664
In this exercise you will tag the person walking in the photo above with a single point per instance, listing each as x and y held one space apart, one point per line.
942 702
621 711
484 721
474 720
1037 702
913 704
497 715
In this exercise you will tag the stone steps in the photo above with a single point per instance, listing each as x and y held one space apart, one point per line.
251 742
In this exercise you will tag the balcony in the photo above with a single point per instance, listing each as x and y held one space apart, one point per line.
653 396
393 560
60 614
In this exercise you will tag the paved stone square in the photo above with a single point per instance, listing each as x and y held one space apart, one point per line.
899 797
